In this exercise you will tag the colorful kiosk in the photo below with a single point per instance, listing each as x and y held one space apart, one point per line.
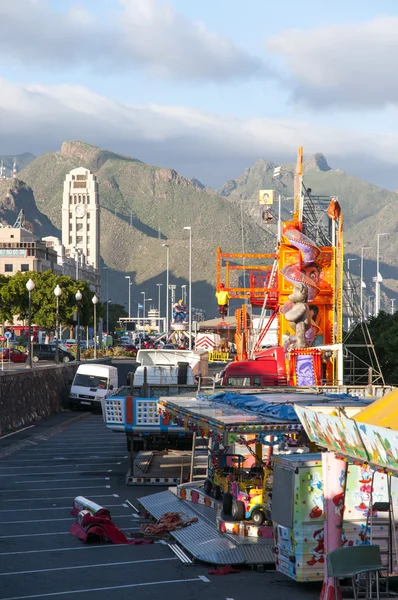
366 445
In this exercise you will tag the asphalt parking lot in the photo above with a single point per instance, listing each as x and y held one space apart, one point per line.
42 469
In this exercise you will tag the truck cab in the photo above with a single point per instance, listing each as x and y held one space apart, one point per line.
91 384
268 368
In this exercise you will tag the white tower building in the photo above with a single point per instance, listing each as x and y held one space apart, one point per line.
81 215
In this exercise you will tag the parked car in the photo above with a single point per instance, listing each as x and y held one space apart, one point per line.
69 343
14 355
47 352
127 347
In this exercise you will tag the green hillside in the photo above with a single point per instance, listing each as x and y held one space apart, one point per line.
158 202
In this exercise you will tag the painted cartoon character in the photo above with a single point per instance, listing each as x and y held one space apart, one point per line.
318 551
344 539
363 534
365 491
316 485
338 501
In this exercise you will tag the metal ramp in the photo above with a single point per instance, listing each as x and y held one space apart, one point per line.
203 540
159 468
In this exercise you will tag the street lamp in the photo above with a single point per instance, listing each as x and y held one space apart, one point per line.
107 315
190 286
167 286
94 301
363 284
78 297
143 308
378 276
57 293
30 286
184 293
159 286
129 278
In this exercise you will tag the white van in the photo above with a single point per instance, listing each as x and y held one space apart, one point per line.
91 384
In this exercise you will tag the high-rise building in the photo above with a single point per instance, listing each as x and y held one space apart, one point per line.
81 216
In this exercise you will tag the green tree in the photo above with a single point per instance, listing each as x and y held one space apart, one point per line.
116 311
14 299
383 330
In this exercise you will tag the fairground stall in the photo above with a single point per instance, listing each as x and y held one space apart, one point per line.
364 447
234 498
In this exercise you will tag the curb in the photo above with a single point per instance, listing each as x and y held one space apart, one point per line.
42 436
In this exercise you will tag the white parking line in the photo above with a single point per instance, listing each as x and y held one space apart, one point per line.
52 473
75 487
52 465
9 510
103 589
57 498
74 548
69 519
85 566
62 458
11 537
58 480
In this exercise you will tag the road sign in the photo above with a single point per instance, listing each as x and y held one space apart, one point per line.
8 335
2 338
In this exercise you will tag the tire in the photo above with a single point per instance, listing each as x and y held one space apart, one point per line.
258 517
35 359
66 359
207 486
238 510
227 503
217 492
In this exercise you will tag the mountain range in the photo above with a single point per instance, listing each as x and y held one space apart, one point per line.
143 207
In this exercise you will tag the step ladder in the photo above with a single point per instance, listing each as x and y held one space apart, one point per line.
200 458
385 536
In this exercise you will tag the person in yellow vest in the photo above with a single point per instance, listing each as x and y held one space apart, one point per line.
222 299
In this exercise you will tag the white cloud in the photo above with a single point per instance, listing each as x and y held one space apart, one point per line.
37 118
147 34
344 65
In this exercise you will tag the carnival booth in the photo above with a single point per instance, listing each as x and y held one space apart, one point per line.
360 446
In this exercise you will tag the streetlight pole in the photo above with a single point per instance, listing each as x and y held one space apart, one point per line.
94 301
362 281
184 293
143 308
78 297
167 286
107 315
57 293
377 301
30 286
190 286
159 286
129 278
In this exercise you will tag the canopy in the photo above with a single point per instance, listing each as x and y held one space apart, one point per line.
382 412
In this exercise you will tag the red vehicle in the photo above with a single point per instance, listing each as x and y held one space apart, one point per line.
14 355
267 369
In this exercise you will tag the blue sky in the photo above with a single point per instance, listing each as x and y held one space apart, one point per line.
204 87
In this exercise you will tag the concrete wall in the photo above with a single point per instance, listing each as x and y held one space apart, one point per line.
30 394
33 393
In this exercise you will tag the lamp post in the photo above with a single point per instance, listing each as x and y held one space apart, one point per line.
190 286
378 276
362 281
78 297
143 308
57 293
94 301
30 286
184 293
129 278
107 315
167 286
159 286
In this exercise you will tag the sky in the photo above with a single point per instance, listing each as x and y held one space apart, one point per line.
207 87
